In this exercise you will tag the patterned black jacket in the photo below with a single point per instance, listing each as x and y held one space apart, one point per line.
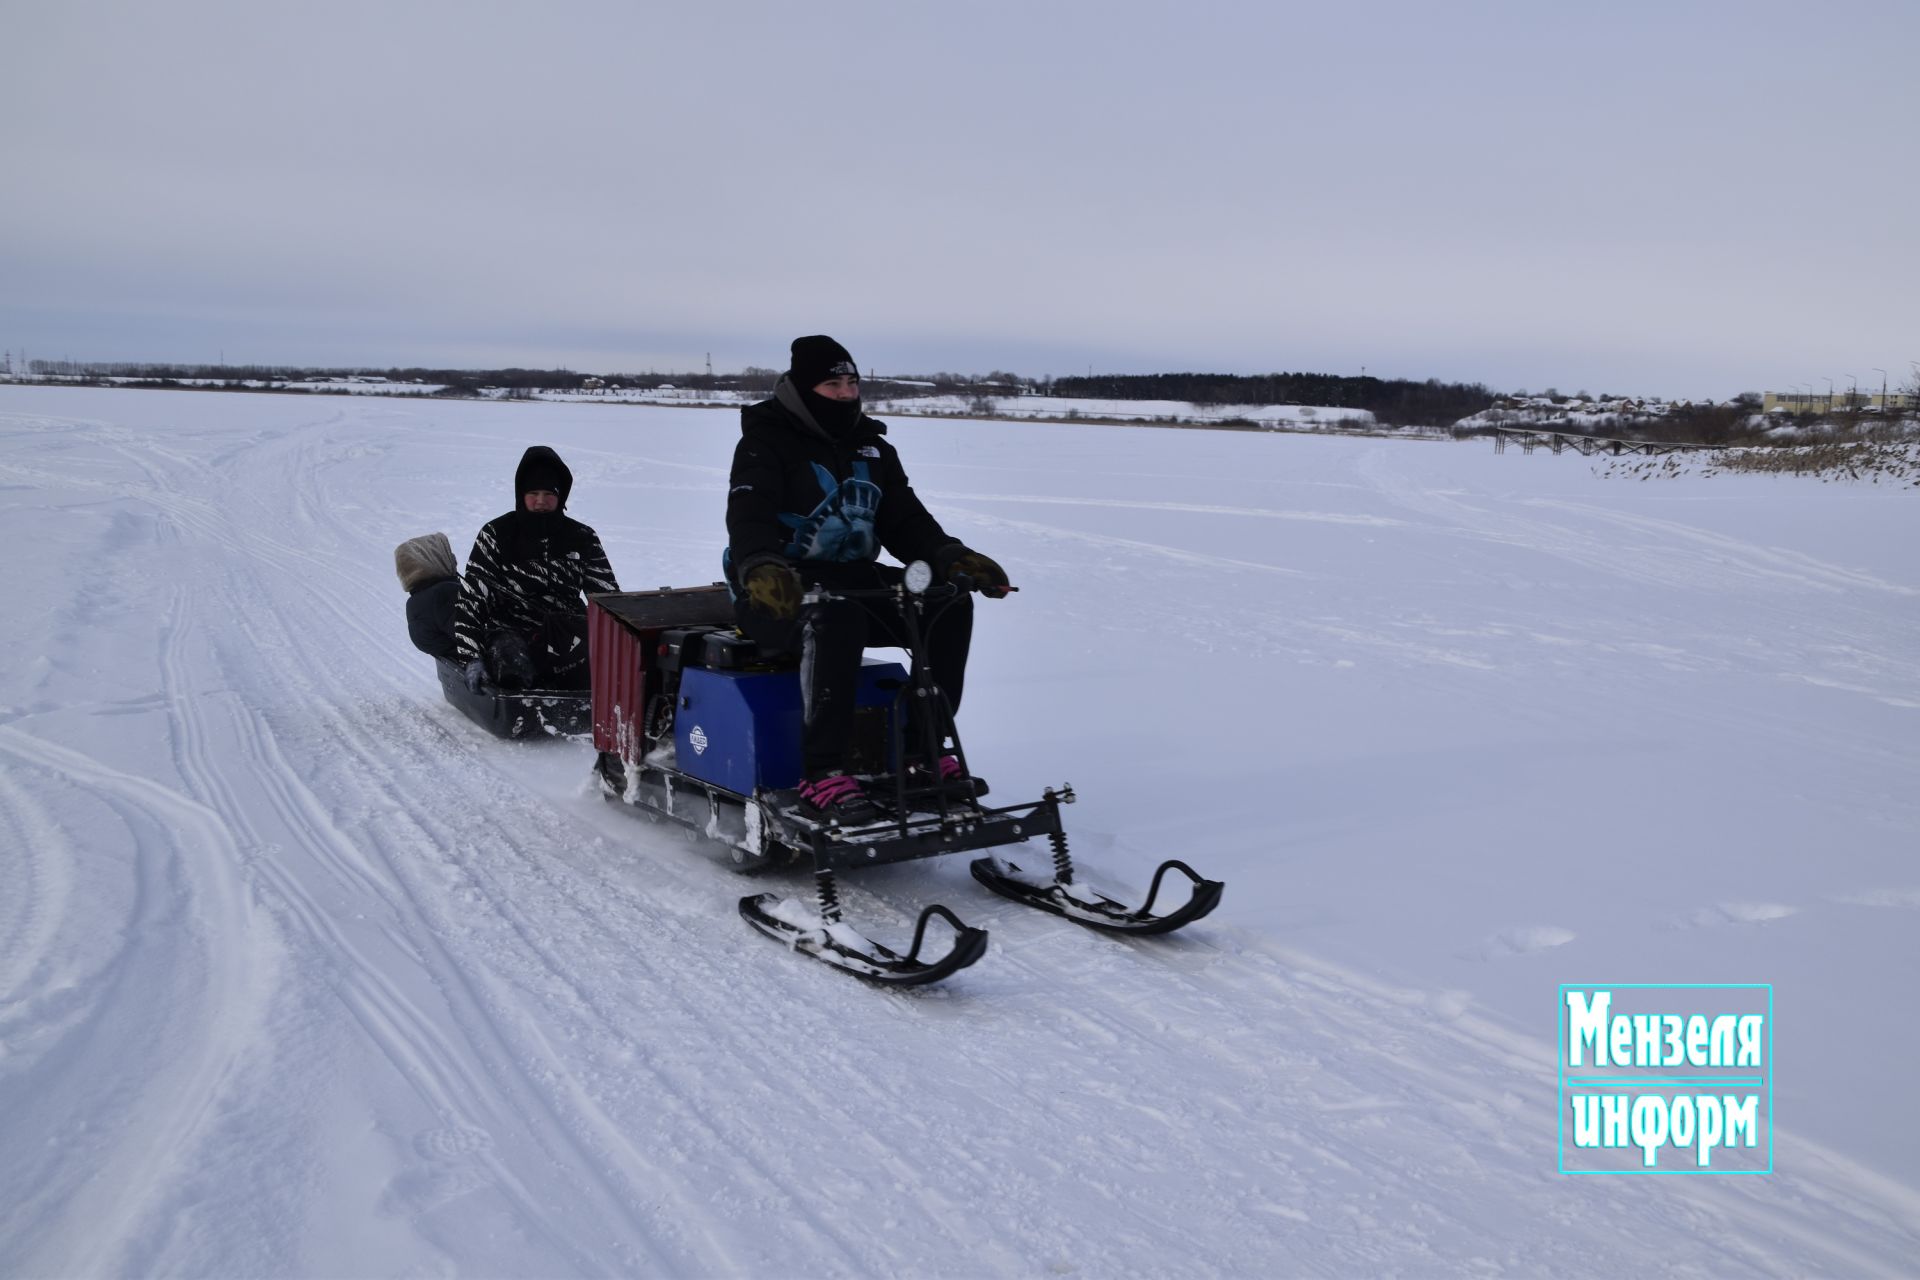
799 494
524 565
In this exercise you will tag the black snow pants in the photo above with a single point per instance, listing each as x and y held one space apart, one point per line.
553 656
830 637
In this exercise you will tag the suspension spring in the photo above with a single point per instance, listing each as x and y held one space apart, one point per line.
829 893
1062 863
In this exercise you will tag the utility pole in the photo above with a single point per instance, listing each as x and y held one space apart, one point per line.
1883 387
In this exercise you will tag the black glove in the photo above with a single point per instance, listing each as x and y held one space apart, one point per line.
476 674
987 577
774 588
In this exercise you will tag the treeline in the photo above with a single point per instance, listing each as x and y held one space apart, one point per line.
456 381
1391 400
1394 401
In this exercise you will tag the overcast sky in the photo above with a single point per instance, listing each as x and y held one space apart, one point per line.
1655 198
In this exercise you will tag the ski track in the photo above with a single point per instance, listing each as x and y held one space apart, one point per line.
1659 553
606 1140
212 986
1668 553
414 1042
42 883
550 1009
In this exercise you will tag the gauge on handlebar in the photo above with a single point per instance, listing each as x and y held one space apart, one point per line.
919 576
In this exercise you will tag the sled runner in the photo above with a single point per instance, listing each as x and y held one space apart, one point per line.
693 723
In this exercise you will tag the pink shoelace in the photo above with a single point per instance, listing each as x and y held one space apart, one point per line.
826 792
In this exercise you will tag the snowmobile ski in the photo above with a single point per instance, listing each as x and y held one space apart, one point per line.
834 942
1062 896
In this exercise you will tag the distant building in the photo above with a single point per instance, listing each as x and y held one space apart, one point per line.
1822 402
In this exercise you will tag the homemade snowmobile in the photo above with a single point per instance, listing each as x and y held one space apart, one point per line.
693 723
515 713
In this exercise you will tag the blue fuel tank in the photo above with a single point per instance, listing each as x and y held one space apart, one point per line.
741 729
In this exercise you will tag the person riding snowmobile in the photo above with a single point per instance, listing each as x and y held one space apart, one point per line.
521 618
816 491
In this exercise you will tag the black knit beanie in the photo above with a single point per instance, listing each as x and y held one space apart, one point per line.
817 358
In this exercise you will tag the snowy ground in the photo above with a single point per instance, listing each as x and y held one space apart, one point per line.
1014 408
302 974
1272 416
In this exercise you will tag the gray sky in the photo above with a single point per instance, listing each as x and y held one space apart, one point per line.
1658 198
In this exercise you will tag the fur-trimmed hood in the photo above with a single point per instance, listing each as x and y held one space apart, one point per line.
423 561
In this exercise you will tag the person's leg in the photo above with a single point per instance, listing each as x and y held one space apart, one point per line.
774 637
509 660
830 637
560 656
833 635
946 637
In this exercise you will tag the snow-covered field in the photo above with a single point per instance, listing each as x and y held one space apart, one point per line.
1012 408
301 974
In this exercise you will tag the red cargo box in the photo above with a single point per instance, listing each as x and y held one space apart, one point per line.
623 628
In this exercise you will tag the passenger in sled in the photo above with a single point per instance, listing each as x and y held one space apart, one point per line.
431 580
520 621
816 492
510 639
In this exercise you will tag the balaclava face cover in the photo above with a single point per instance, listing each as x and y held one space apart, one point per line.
817 358
540 468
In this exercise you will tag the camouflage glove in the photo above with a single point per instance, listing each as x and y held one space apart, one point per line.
985 576
774 588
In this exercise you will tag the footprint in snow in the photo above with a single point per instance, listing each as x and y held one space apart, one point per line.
1521 940
451 1144
448 1171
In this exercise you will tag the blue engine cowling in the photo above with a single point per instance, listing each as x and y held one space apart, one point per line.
742 729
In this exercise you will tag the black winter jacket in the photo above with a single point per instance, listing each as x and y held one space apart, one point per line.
430 609
525 566
800 494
